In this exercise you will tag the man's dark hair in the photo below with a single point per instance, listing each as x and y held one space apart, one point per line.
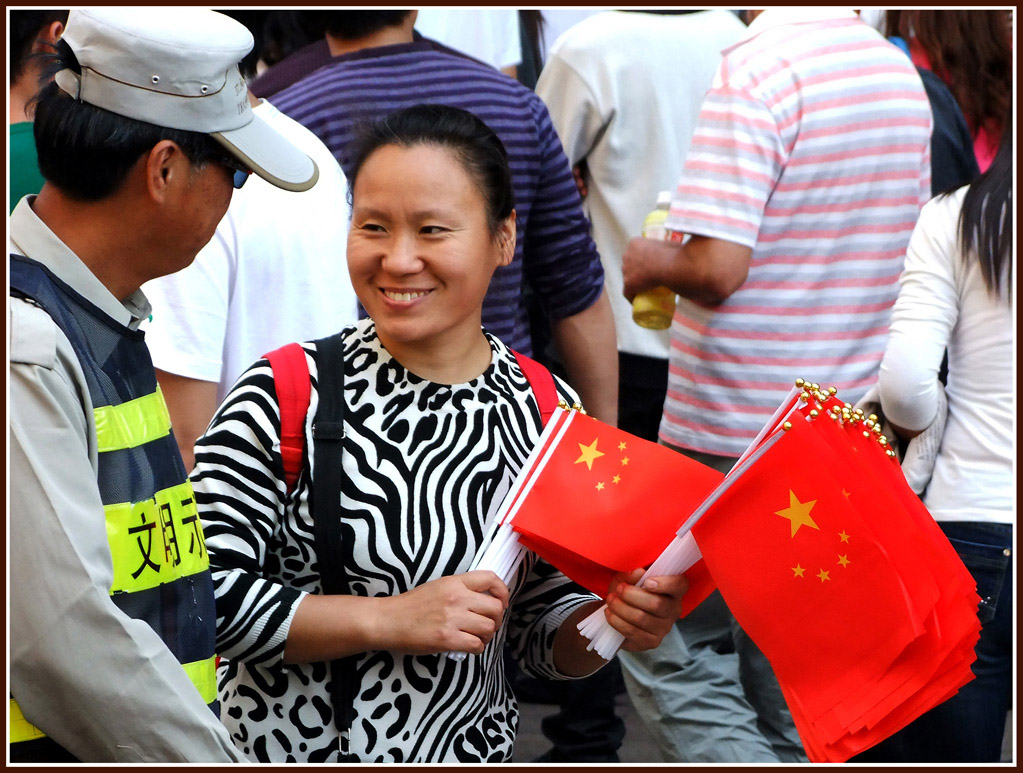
87 151
474 144
352 25
24 28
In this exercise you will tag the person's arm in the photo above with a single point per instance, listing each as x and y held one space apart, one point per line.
586 342
191 404
923 318
102 685
562 265
705 269
643 615
460 613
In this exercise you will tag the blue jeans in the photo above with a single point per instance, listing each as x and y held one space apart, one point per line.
969 726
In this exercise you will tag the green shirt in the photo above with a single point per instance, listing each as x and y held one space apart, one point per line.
25 175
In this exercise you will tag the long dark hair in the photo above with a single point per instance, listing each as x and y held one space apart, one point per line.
985 221
972 50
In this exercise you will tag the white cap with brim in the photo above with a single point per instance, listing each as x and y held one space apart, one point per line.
178 68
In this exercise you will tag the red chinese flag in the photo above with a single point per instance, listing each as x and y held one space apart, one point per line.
803 573
607 501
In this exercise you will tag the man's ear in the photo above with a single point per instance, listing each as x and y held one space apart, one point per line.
47 38
54 31
506 239
164 167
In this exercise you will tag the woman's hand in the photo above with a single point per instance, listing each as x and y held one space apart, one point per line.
450 614
644 615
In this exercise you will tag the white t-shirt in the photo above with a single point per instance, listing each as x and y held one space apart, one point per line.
631 116
274 272
488 34
943 301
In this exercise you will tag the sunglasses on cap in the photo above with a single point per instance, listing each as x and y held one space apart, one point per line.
241 173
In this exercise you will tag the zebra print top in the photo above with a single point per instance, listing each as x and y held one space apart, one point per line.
424 464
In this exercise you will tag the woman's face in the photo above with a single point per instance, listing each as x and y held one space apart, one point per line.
420 253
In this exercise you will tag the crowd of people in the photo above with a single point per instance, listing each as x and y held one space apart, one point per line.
290 292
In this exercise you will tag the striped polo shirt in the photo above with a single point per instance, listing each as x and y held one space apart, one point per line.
812 148
554 252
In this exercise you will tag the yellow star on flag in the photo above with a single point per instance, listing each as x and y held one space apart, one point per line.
621 446
625 461
843 536
600 486
616 479
588 454
824 575
845 493
798 513
797 571
844 560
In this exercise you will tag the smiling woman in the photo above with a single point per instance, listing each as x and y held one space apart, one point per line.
432 218
438 417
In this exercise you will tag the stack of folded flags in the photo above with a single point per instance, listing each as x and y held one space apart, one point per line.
823 554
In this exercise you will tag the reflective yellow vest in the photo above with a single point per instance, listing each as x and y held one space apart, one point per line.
161 569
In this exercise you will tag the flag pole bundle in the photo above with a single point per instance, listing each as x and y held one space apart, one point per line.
839 574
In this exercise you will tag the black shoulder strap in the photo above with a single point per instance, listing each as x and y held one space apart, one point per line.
328 433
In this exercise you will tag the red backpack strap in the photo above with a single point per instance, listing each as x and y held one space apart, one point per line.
542 383
291 380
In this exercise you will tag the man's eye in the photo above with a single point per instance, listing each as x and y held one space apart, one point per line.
371 227
433 229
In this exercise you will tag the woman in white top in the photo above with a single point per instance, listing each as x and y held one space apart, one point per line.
956 293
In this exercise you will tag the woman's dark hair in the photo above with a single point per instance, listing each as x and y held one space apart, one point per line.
985 221
87 151
971 50
24 29
478 148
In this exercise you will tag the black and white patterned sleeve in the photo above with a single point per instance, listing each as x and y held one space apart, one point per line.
240 493
546 599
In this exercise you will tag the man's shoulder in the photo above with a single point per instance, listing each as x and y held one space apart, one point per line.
32 333
383 69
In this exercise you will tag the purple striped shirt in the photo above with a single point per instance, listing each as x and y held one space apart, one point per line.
554 253
812 148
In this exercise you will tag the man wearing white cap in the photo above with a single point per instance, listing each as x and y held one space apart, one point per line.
141 138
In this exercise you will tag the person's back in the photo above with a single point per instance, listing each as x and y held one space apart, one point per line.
972 478
624 91
369 84
813 150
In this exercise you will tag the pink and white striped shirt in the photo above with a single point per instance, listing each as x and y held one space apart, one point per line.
813 149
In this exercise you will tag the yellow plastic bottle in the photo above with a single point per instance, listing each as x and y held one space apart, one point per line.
653 309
